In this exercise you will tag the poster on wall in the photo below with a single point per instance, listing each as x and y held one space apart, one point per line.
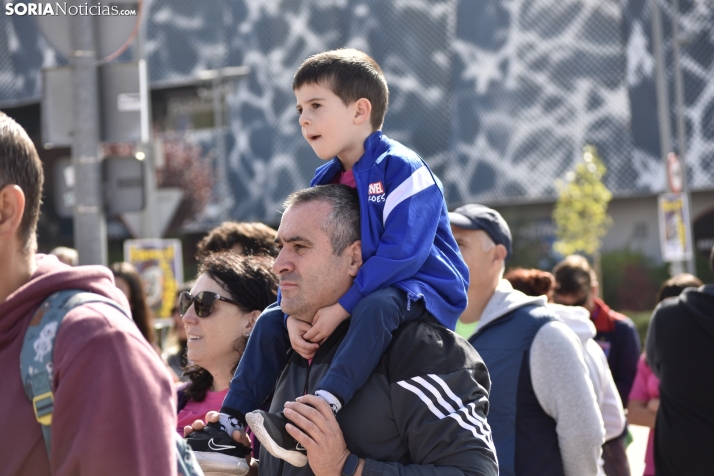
675 237
161 268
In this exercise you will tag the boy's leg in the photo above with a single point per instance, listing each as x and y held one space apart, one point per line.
372 323
264 358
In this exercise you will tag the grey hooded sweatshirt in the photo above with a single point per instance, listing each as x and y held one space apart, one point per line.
560 381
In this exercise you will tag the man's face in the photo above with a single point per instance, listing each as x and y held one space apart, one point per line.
482 267
326 122
311 276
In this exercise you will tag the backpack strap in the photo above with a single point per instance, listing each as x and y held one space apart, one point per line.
36 357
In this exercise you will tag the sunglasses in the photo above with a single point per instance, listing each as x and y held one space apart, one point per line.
202 302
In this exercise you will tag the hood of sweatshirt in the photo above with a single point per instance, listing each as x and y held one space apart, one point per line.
506 299
700 305
577 318
52 275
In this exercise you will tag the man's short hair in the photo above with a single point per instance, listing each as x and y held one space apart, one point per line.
66 255
676 284
350 74
20 165
255 238
342 225
573 276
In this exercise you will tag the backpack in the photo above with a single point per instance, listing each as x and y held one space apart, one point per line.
36 365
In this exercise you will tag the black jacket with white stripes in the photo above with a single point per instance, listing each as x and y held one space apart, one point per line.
422 411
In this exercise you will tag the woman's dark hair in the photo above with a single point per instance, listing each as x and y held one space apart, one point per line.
531 282
140 311
250 281
674 286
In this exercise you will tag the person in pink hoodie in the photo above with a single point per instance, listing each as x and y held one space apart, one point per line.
113 399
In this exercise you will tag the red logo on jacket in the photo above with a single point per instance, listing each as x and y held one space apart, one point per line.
376 188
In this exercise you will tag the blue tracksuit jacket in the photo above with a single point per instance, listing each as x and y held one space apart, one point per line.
406 237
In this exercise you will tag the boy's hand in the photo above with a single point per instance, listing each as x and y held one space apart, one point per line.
296 331
325 322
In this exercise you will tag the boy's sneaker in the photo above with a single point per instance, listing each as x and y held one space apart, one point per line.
218 453
270 430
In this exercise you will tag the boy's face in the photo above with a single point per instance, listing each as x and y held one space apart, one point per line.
328 124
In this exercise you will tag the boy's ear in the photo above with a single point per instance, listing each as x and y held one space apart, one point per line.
12 208
363 111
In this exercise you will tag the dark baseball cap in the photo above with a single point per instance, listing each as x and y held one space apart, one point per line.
479 217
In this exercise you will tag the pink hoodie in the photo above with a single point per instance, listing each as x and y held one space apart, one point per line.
114 404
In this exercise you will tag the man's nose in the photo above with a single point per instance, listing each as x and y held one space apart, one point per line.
282 263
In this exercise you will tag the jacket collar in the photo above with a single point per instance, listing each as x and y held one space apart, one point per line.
600 316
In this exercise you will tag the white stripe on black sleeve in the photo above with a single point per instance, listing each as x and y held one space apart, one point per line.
470 420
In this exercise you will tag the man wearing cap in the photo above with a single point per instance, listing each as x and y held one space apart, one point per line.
543 410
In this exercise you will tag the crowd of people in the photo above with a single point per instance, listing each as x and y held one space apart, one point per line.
373 333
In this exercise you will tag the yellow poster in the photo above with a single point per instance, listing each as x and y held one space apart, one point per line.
160 265
675 237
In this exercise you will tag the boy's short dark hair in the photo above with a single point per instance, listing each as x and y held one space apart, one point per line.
573 276
255 238
20 165
350 74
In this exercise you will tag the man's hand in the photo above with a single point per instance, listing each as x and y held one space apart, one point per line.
296 331
321 435
325 322
653 405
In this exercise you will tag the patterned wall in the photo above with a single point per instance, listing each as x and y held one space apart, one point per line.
499 96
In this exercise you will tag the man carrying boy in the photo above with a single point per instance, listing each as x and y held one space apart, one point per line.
407 247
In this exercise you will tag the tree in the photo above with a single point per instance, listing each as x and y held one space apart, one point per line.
580 213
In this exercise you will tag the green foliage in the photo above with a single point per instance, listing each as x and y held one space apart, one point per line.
630 280
580 213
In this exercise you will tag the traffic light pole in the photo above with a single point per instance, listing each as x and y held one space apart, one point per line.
90 231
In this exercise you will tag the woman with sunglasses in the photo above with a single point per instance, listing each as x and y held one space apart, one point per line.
218 314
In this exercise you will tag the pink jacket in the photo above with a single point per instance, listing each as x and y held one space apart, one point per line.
114 404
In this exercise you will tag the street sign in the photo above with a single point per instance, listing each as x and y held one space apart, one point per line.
166 202
675 232
57 107
120 108
675 176
114 33
64 187
120 102
123 185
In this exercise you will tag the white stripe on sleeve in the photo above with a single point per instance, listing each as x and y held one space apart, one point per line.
421 179
474 422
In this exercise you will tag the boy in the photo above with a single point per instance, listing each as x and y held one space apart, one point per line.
406 243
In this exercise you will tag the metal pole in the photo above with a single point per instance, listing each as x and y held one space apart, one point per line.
663 109
221 165
681 132
665 127
90 230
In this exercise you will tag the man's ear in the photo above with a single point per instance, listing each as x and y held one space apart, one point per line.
12 207
354 251
500 252
363 111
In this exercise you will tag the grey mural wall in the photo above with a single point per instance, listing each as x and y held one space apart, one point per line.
498 96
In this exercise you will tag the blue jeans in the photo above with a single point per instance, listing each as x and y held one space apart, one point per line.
372 323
